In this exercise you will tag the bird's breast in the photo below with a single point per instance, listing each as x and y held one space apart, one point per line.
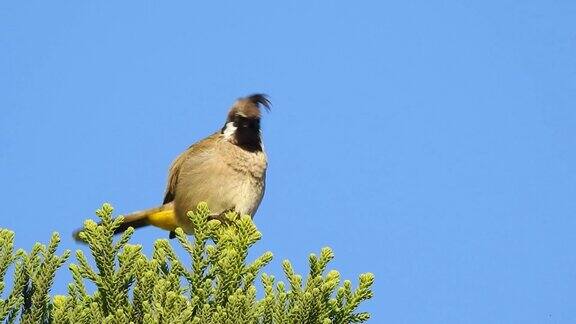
226 178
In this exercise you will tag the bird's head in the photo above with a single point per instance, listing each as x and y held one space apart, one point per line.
243 123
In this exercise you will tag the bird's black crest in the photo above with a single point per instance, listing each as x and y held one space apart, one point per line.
260 99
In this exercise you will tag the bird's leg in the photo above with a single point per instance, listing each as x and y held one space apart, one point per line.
222 216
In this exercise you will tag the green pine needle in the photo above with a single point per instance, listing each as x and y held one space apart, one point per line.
215 285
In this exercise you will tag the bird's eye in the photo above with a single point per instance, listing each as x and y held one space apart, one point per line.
241 121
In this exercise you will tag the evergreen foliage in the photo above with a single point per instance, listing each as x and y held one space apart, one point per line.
218 287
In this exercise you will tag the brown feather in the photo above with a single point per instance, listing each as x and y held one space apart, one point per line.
249 107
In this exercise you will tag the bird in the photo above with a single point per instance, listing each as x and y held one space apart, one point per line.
227 170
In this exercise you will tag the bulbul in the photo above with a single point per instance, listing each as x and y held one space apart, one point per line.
226 169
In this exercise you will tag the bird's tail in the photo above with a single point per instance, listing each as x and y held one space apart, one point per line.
162 216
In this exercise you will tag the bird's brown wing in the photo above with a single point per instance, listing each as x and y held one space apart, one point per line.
173 177
176 166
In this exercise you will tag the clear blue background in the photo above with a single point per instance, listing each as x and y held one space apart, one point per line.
432 143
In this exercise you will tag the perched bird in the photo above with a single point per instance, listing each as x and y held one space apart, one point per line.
226 169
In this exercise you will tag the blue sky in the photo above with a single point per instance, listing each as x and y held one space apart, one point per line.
431 143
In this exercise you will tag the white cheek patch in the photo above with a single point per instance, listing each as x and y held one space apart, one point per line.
229 130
